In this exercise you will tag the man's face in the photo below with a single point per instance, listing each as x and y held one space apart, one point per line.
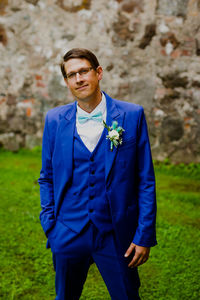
82 79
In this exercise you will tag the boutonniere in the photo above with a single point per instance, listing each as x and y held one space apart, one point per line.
114 134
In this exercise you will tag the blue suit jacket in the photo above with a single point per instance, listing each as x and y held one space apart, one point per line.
129 174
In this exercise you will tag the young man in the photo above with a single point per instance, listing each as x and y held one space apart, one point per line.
97 185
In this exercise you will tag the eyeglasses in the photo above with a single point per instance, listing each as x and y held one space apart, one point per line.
82 72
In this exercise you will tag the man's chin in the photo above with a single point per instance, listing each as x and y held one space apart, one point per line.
83 96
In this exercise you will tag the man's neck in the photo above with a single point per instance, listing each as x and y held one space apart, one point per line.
89 105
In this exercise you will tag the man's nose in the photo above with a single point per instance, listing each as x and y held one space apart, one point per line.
78 77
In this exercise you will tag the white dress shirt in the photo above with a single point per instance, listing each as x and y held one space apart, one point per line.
91 131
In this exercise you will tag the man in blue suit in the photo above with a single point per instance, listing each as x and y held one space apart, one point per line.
97 185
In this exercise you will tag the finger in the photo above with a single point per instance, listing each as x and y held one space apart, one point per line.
140 262
134 261
129 250
142 259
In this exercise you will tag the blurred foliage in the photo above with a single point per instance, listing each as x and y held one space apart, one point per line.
181 169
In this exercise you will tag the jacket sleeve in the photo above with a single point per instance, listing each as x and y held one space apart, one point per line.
145 234
45 181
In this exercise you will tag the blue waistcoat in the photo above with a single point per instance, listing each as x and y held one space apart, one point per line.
85 199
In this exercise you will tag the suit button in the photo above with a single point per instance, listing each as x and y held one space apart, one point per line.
91 197
92 184
91 158
91 210
92 172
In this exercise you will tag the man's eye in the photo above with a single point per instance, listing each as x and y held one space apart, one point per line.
83 72
71 75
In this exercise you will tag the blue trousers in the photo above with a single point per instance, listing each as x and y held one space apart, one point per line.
90 246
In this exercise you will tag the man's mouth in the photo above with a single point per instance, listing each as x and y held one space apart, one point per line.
81 87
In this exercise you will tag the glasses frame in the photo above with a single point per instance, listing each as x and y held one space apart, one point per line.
82 72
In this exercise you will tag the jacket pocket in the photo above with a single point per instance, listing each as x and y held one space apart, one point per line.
52 232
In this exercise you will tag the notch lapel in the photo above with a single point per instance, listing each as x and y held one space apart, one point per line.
113 114
67 128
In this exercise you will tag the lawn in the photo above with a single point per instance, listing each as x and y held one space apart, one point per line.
26 271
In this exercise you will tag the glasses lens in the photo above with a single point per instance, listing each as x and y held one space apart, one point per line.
81 72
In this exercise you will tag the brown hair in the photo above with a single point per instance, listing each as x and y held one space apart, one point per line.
79 53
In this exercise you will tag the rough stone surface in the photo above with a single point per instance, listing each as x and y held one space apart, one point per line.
172 130
150 31
149 50
173 7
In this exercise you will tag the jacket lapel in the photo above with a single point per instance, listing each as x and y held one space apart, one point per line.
113 114
67 128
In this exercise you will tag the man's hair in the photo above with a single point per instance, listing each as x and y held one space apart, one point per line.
79 53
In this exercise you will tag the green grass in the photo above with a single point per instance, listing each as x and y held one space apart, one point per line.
26 271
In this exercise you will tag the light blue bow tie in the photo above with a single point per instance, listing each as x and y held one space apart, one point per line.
98 117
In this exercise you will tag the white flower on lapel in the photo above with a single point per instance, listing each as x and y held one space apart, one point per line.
114 134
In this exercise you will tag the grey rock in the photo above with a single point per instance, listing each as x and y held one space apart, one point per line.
32 141
142 92
56 91
172 129
10 141
173 7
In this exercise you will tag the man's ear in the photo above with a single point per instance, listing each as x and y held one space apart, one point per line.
99 71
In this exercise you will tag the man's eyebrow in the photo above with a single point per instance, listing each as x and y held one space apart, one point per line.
82 68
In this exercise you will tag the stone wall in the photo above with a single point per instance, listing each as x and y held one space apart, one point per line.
149 50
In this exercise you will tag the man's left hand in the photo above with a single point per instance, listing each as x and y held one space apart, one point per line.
140 257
